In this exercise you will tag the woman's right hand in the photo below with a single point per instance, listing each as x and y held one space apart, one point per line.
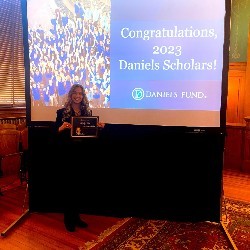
65 125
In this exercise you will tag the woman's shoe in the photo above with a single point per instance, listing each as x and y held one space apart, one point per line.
69 222
81 223
70 227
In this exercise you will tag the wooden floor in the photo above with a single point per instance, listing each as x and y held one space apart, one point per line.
45 231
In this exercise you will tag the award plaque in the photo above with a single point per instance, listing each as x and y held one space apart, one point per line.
84 126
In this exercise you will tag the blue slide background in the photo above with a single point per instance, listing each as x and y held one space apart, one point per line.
166 89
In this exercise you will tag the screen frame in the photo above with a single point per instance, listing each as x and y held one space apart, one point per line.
224 91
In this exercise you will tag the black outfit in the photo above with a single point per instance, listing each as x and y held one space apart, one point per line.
70 154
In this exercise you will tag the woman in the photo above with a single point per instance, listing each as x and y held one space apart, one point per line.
70 153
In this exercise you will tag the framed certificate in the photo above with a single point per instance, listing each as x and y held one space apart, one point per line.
84 126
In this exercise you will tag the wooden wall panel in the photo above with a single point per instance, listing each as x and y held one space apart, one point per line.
246 161
234 147
236 93
247 90
237 142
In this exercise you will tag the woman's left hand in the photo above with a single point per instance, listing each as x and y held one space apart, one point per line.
100 125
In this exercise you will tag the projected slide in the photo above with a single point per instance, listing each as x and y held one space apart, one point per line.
172 62
162 60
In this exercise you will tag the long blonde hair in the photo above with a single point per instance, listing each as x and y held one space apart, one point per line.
84 105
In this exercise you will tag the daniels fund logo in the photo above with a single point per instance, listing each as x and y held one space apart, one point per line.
138 93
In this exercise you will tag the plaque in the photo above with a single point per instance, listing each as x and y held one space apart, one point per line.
84 126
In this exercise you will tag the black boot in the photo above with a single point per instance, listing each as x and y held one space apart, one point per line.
81 223
69 222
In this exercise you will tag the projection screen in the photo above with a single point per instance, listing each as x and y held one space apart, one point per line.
141 62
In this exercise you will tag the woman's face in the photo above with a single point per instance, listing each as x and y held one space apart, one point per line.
77 95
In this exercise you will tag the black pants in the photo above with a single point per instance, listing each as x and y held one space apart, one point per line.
73 177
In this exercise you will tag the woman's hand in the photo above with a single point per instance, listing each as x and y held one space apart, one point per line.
100 125
65 125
